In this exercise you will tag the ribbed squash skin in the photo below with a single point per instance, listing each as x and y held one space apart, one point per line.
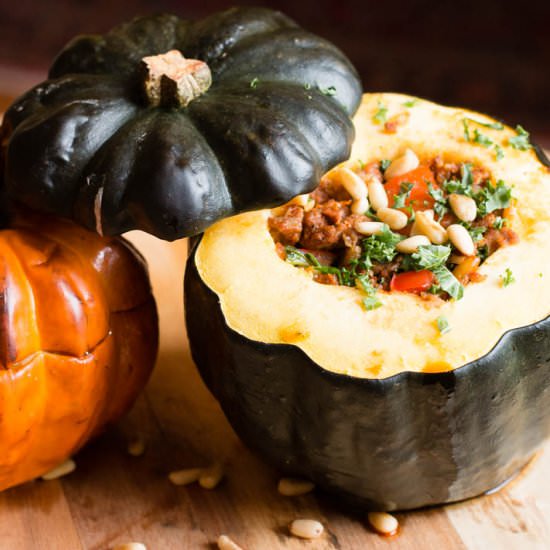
412 440
78 340
86 145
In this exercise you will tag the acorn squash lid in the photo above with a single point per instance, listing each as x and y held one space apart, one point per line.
129 134
268 300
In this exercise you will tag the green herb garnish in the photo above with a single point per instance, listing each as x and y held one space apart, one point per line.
448 282
521 140
382 114
443 324
476 232
330 91
507 278
430 256
499 222
399 200
410 103
381 246
466 127
482 139
384 164
464 186
492 198
254 82
440 202
499 152
371 300
493 125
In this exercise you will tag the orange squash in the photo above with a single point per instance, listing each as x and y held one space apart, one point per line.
78 340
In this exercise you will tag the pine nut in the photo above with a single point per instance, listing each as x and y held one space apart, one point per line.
401 165
185 477
465 208
225 543
461 239
360 206
426 225
410 245
368 228
136 447
393 217
306 528
377 194
130 546
305 201
383 522
211 477
292 487
60 470
352 183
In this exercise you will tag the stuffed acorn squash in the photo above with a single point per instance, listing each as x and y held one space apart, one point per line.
418 372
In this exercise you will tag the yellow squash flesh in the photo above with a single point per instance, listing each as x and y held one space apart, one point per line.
268 300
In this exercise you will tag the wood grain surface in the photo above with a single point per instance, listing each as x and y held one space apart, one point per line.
114 498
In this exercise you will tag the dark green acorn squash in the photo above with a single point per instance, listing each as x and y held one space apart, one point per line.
115 150
378 406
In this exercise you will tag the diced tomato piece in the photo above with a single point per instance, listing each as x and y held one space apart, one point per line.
419 196
412 281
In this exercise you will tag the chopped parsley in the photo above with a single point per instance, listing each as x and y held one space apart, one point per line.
521 140
492 198
430 256
507 278
410 103
371 300
296 257
499 222
482 139
381 246
464 186
499 152
492 125
466 128
440 202
330 91
384 164
475 232
448 282
443 324
254 82
399 200
381 115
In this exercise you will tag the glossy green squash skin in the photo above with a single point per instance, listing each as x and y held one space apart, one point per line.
86 145
412 440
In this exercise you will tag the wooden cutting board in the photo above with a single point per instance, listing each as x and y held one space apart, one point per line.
113 498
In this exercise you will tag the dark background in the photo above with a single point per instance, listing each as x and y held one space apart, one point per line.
487 55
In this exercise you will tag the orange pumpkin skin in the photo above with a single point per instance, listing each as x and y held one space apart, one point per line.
78 340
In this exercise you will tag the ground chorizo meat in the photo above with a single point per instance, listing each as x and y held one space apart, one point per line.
287 228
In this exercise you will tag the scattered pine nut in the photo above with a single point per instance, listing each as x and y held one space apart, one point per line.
377 194
411 244
211 477
383 523
465 208
130 546
225 543
461 239
292 487
306 528
185 477
60 470
368 228
424 224
360 206
401 165
352 183
394 218
136 446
